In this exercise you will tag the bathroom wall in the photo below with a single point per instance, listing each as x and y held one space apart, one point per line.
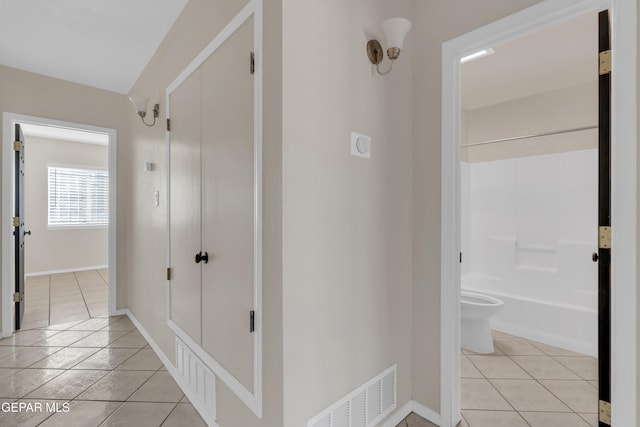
530 223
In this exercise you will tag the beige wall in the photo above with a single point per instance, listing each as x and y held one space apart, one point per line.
346 233
62 248
557 110
199 23
435 22
35 95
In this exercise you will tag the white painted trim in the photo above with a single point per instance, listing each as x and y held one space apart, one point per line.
427 413
197 404
253 399
8 121
408 408
399 415
624 184
65 270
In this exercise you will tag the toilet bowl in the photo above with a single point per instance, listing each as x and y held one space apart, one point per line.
475 311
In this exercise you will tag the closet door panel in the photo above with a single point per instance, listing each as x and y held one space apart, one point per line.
228 205
185 207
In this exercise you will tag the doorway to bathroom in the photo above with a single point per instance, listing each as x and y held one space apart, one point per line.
529 215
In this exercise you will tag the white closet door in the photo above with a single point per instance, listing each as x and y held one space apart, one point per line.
228 205
185 210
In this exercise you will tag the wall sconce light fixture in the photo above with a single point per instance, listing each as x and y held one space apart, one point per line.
140 103
395 29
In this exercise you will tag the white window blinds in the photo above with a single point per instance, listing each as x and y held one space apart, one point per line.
78 197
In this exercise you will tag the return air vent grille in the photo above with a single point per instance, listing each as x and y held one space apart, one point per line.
197 376
364 407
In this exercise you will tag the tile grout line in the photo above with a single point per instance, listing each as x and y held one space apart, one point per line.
86 307
539 381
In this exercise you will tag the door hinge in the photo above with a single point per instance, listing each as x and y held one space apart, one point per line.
16 145
168 125
604 412
16 297
605 62
252 59
252 321
604 237
16 221
169 273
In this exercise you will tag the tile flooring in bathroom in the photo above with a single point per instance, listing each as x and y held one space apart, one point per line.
528 384
65 297
101 367
525 383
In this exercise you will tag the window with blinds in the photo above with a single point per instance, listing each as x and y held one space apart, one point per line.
78 197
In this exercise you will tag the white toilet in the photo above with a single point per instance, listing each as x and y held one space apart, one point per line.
475 310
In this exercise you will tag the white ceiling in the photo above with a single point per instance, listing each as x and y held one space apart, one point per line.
100 43
556 57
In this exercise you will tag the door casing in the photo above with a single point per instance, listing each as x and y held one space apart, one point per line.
624 186
8 122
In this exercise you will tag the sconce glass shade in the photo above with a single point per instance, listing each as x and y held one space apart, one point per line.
396 29
140 102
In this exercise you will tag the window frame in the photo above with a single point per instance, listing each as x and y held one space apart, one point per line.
71 226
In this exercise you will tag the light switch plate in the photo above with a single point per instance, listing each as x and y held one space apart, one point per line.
360 145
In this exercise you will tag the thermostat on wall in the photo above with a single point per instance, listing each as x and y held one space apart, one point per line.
360 145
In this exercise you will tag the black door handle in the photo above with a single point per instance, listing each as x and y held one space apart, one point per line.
202 257
594 257
27 232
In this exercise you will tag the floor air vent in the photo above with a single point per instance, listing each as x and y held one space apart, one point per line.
197 376
364 407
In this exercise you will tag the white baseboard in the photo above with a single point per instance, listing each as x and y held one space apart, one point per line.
399 415
408 408
65 270
172 370
119 312
426 413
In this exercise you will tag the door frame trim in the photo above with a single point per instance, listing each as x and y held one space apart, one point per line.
8 120
252 399
623 192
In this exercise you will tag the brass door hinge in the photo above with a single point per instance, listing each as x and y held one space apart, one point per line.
169 125
604 237
16 145
16 221
16 297
604 415
605 62
169 273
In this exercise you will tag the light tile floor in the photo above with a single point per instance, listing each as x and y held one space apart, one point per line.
60 298
529 384
102 368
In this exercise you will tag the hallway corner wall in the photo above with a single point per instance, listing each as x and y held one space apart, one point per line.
346 220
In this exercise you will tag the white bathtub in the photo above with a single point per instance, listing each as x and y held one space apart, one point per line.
568 326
